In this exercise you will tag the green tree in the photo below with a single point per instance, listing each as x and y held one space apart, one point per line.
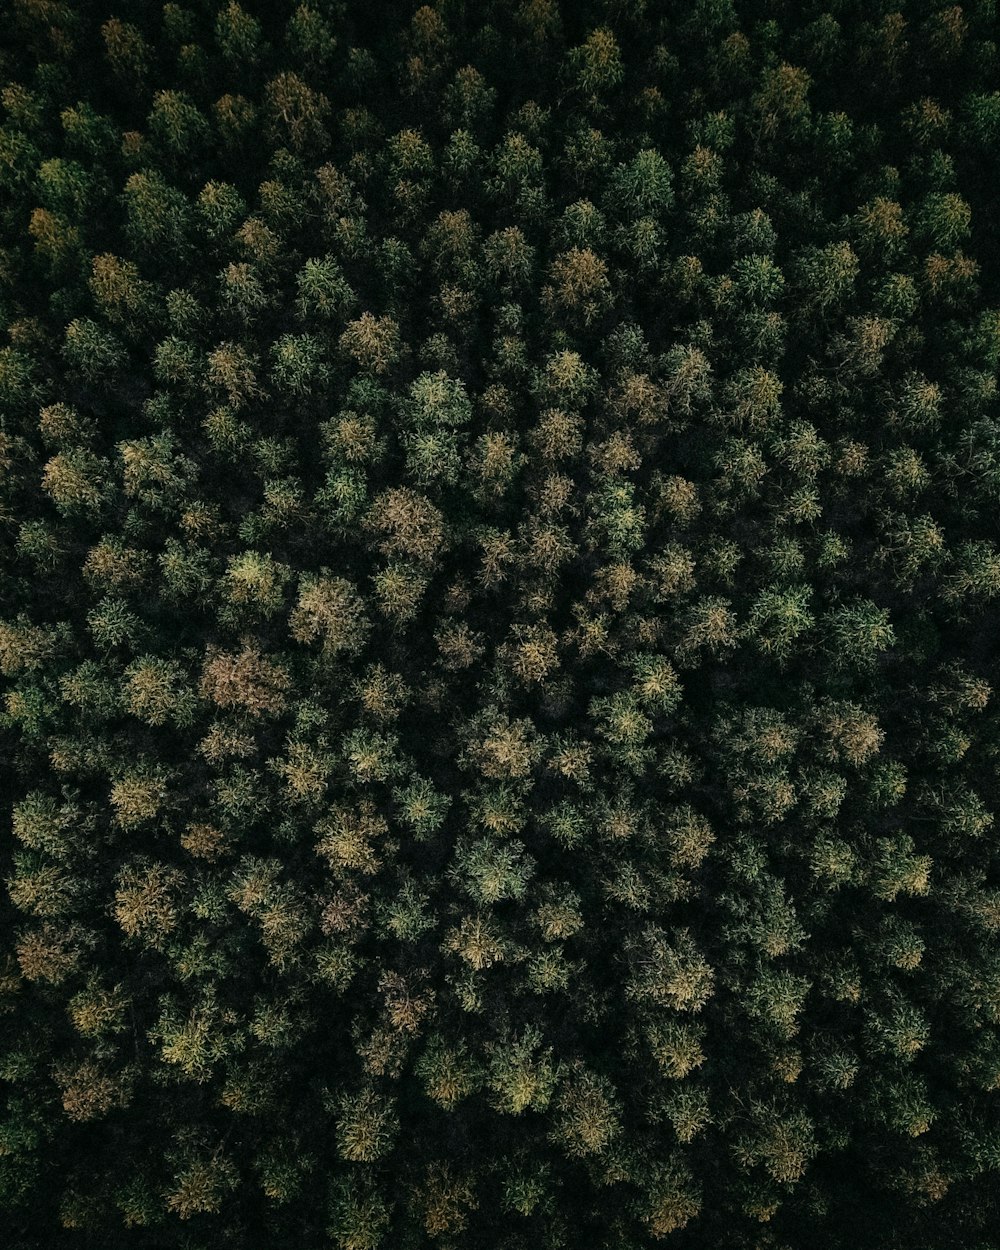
595 67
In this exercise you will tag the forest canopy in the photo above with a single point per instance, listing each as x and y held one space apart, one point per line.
498 625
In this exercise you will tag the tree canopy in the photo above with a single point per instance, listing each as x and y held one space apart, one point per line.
498 625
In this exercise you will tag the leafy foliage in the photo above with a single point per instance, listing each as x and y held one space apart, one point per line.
498 624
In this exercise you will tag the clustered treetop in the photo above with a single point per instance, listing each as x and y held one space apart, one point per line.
498 624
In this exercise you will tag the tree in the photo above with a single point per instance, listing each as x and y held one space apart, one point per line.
373 342
201 1183
778 617
310 38
595 66
358 1212
586 1114
158 217
781 100
673 1198
828 275
580 284
782 1143
669 973
127 52
366 1125
944 219
857 632
178 124
156 689
154 472
643 187
253 586
220 208
239 36
246 680
323 292
409 524
329 609
298 364
94 352
491 871
709 625
521 1075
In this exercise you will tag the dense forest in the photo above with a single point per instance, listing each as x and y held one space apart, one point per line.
499 623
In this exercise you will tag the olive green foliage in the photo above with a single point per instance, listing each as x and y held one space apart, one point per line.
499 599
